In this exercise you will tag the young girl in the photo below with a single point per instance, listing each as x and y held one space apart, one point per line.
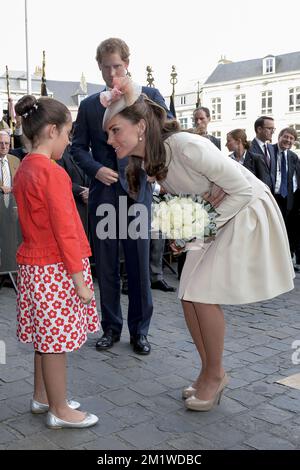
251 244
56 305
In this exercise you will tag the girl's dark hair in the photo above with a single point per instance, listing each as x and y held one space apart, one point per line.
158 128
37 113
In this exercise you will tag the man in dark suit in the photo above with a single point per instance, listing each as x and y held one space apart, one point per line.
201 117
109 187
264 129
286 190
9 230
80 185
297 221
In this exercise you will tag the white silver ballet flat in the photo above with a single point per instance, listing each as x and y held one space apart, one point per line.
37 408
188 392
53 422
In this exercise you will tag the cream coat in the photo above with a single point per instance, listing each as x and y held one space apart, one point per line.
249 260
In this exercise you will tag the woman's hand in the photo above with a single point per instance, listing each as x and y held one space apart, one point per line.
151 179
85 294
162 190
177 250
215 196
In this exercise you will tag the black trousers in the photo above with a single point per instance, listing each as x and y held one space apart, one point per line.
292 222
107 260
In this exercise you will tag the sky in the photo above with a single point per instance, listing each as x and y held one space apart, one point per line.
190 34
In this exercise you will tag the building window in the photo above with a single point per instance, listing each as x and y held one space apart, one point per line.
216 134
23 84
81 98
294 99
297 129
183 100
183 123
269 65
215 109
266 102
240 105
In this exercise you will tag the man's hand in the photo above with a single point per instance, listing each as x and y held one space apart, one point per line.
85 194
6 189
215 196
107 175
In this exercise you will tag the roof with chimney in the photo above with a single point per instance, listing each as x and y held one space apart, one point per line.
229 71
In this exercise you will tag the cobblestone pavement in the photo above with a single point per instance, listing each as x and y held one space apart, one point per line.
138 398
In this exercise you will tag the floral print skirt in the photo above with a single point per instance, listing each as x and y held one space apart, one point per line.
50 313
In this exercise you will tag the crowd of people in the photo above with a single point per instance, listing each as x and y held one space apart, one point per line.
123 141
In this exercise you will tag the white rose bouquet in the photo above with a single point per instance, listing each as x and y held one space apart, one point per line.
183 218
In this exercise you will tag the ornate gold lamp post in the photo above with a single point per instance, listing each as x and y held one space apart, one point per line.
173 82
150 78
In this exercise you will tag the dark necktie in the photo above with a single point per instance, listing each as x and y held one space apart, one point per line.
267 158
283 184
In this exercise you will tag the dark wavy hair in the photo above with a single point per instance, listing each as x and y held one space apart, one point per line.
158 128
37 113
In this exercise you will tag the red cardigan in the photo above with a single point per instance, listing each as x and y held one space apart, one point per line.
51 227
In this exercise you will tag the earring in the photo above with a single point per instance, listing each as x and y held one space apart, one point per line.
140 139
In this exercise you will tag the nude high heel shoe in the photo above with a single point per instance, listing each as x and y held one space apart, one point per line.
193 403
188 392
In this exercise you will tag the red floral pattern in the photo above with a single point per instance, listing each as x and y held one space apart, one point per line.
50 314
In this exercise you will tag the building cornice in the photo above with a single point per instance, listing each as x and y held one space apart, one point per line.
274 77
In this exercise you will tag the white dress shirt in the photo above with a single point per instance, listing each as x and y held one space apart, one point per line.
7 171
278 172
242 159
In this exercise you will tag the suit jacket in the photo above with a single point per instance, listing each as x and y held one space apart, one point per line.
214 140
10 235
267 174
13 163
79 180
19 152
89 135
293 169
255 164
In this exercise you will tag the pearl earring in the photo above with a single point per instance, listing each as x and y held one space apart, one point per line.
140 139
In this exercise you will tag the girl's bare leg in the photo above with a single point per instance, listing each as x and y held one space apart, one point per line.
54 375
